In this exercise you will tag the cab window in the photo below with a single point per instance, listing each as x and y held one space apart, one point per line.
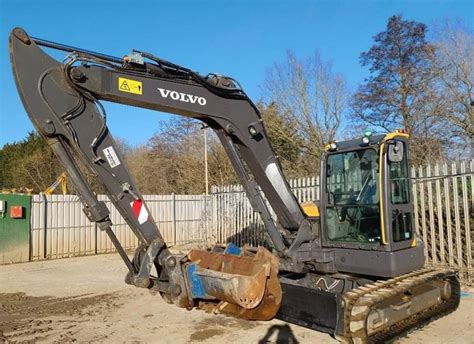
400 187
352 212
400 196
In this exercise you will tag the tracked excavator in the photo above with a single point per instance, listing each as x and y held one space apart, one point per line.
350 265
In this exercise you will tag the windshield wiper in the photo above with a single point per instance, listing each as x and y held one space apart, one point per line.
366 182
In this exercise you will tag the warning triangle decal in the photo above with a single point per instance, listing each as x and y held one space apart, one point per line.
124 86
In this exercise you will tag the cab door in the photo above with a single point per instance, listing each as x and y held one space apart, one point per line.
398 196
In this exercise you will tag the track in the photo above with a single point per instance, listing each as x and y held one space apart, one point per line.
361 301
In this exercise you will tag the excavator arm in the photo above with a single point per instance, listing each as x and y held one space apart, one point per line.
63 102
66 105
60 181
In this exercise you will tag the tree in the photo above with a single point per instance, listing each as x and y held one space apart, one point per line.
453 66
310 100
173 160
31 165
28 164
286 142
221 171
399 91
177 152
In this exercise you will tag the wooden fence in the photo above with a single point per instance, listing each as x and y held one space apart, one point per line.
444 213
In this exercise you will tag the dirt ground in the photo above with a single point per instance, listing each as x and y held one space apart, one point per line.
85 299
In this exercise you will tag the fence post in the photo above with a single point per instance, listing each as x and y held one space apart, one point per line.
439 210
45 224
95 237
457 216
471 169
423 214
213 229
449 227
467 229
173 211
432 228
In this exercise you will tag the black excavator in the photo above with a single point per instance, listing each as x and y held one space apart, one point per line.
350 265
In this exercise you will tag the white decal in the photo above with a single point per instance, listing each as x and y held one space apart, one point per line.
111 156
182 97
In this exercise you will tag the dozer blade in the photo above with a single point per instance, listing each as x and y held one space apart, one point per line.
241 283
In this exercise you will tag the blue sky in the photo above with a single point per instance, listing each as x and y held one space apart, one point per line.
237 38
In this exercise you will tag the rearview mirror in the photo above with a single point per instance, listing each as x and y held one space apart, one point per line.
395 151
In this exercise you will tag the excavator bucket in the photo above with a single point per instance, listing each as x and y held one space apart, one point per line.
239 282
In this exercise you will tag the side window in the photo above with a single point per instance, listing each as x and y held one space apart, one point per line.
401 226
399 180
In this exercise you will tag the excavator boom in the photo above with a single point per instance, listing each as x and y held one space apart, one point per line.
62 101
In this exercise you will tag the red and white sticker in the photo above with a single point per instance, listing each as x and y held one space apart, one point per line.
140 211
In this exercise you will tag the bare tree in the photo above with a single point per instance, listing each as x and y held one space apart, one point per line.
308 93
453 66
173 160
221 171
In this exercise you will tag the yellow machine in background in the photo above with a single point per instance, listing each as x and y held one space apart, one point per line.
61 180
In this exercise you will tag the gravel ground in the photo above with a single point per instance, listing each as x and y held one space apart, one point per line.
85 299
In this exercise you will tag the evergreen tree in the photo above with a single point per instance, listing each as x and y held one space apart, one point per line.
399 93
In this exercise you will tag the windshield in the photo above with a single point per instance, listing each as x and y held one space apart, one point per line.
352 177
352 212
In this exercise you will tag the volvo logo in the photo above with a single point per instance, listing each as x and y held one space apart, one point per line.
182 97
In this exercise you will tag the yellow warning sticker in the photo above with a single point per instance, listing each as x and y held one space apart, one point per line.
130 86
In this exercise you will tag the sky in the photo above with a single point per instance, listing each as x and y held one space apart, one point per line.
241 39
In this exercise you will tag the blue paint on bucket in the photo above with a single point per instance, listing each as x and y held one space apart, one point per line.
197 287
232 249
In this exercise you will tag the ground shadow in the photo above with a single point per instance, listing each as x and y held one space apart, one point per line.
284 335
253 235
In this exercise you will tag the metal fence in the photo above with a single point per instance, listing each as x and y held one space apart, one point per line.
442 194
233 218
60 229
444 213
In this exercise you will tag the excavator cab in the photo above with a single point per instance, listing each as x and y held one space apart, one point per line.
366 207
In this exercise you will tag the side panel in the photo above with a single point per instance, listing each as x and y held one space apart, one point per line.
15 229
380 263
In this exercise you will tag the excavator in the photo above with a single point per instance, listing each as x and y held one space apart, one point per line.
350 265
60 181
